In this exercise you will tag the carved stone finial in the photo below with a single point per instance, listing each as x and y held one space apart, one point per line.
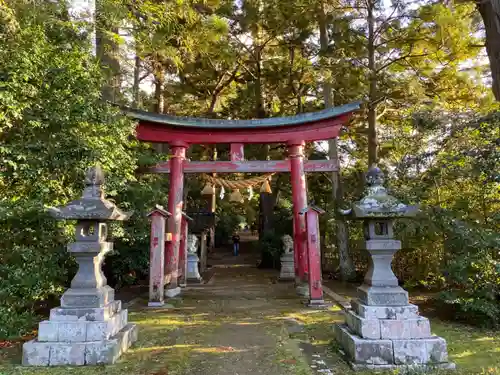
94 176
92 205
375 177
94 180
376 201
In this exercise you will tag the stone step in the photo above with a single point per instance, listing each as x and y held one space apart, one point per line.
36 353
86 314
384 354
384 312
411 328
81 330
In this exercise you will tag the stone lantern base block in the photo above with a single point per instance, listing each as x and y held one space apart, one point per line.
302 289
383 296
38 353
287 272
384 312
91 297
193 274
379 354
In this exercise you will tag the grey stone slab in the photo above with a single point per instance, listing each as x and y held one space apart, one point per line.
404 369
102 352
429 351
72 331
364 351
366 328
437 349
67 354
98 297
85 314
384 312
170 293
383 296
123 318
98 331
405 329
36 353
48 331
108 351
410 352
127 336
302 289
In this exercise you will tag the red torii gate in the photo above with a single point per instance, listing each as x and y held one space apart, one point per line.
294 131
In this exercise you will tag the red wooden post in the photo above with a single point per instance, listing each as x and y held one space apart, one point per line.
182 270
156 256
314 256
299 197
175 202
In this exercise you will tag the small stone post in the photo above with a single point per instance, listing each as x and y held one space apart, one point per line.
90 327
193 274
203 251
157 256
383 330
287 272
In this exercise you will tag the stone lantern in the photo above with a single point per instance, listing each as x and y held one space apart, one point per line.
90 327
383 330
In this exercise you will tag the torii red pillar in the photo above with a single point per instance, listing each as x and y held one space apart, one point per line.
175 203
299 197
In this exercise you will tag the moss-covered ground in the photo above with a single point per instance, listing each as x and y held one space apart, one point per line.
245 323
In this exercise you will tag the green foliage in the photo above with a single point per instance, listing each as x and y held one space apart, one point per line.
53 127
245 60
270 243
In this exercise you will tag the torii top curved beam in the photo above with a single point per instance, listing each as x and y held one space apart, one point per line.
305 127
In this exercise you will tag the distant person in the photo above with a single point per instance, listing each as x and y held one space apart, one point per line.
236 244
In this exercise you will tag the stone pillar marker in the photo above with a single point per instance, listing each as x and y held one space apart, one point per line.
287 272
90 327
203 252
157 256
193 274
383 330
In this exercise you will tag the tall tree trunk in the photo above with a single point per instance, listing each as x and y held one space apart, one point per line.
266 202
159 82
347 270
490 12
107 52
135 87
372 94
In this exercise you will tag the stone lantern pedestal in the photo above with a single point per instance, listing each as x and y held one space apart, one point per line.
382 329
90 327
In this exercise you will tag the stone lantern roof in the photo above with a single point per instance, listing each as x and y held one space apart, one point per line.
376 202
92 205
